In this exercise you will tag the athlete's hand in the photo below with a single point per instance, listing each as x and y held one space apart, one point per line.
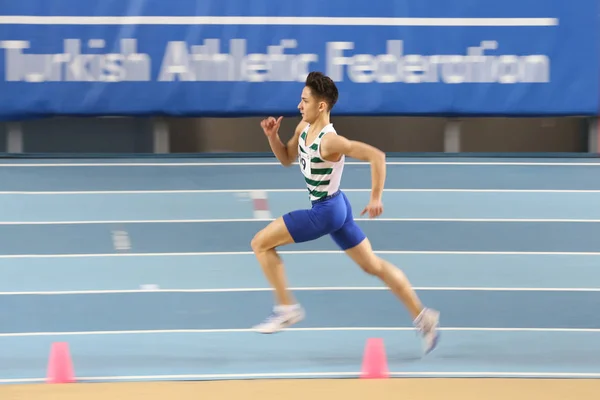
374 208
271 126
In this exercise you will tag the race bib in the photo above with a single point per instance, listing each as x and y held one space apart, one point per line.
305 164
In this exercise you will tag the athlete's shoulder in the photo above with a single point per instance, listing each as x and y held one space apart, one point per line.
301 127
333 141
327 130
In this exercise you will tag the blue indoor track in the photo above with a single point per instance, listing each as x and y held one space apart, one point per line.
144 267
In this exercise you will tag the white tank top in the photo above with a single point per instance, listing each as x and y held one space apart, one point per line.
322 177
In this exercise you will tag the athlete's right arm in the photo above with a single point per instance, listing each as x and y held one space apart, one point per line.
292 144
285 153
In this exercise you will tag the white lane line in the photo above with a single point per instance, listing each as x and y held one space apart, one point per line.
215 191
264 215
307 289
332 329
300 375
303 252
277 164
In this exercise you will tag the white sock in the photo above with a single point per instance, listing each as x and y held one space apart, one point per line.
284 309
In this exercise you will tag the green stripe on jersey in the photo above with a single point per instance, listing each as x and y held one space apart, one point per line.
321 171
316 183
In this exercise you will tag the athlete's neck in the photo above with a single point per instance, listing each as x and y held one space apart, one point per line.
320 123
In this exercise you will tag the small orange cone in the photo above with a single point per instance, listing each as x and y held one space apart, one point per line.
60 365
374 364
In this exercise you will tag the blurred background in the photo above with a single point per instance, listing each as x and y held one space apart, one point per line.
197 77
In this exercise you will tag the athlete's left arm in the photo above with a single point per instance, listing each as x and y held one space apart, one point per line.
332 146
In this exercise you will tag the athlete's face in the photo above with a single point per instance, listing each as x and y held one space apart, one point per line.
310 107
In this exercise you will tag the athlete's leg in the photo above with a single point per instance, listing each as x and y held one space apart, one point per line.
294 227
357 246
426 320
363 255
286 311
263 244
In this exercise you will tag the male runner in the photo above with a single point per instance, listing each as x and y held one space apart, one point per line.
321 153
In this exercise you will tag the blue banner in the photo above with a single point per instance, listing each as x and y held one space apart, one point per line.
237 58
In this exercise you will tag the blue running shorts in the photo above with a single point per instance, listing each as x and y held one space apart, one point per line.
332 216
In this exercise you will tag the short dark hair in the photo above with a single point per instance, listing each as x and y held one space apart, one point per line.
322 87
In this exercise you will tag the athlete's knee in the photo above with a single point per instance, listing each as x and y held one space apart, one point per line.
259 242
363 255
372 265
273 235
